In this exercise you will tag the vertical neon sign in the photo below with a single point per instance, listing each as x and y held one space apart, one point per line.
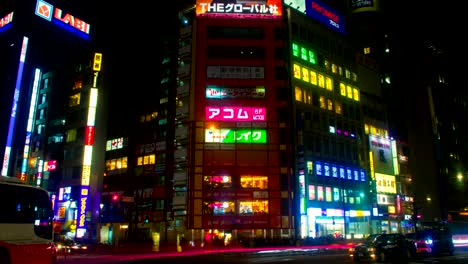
6 157
30 126
88 150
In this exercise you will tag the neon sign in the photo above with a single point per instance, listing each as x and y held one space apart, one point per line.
6 20
235 136
325 15
47 12
228 113
270 8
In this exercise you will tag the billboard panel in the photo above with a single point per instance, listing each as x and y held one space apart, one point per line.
381 149
326 15
385 183
240 8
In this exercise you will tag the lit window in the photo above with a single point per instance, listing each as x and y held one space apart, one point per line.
355 94
329 83
297 71
322 102
74 100
334 68
298 94
330 104
313 77
367 50
342 89
336 194
71 135
321 81
328 194
254 182
349 91
320 193
305 75
311 192
338 109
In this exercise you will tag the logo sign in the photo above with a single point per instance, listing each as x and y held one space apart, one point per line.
325 15
226 135
70 22
6 20
221 92
228 113
256 8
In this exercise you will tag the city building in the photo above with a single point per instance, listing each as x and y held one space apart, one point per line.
51 80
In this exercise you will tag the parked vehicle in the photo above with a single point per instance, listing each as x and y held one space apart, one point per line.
432 242
382 248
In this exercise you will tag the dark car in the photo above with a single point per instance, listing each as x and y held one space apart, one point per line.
382 248
69 246
432 242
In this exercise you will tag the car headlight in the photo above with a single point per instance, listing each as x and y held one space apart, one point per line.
428 241
371 249
59 246
84 247
351 250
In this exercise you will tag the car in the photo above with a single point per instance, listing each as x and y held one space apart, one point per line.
382 248
69 246
432 242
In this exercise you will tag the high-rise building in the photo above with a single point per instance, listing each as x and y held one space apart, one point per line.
51 80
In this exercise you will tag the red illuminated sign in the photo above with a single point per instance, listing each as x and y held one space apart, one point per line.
6 19
229 113
89 140
45 10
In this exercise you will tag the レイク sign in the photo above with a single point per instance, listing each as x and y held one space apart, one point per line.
47 11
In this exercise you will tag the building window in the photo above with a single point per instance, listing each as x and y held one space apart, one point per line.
254 182
311 192
217 182
71 135
320 193
253 207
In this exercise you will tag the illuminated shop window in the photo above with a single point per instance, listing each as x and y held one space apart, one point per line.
254 182
298 93
321 81
334 68
71 135
338 108
343 89
116 164
336 194
256 207
311 192
307 97
226 207
146 160
330 104
355 94
297 71
310 167
305 74
312 57
78 84
328 194
295 50
74 100
322 102
304 54
319 193
313 77
217 182
329 83
326 64
349 91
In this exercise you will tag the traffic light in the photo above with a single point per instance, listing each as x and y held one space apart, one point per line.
115 198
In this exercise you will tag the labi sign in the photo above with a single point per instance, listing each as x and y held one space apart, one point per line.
56 15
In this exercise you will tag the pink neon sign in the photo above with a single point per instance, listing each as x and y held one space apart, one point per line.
229 113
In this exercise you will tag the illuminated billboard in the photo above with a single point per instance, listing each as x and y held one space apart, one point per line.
244 8
215 92
381 151
325 15
385 183
226 135
230 113
6 20
359 6
58 17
